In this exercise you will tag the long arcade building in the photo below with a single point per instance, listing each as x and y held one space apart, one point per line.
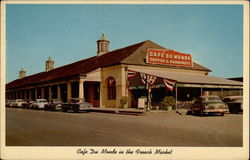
130 71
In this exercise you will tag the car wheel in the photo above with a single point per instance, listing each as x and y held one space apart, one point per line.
222 114
75 110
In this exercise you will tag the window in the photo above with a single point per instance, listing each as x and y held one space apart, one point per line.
111 88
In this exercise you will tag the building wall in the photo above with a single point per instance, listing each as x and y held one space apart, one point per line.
119 73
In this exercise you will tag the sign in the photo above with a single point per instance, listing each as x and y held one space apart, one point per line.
208 86
141 103
169 57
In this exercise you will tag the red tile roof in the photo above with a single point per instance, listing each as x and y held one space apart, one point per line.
134 54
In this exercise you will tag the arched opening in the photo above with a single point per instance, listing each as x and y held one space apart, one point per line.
111 85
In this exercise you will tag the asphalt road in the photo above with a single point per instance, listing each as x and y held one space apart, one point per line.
39 128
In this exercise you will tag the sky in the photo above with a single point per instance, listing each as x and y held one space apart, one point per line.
212 34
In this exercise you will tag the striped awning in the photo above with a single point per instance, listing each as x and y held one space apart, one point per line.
187 79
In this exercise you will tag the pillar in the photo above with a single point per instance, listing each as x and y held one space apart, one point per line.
58 92
16 95
30 96
81 89
42 94
25 94
36 94
68 90
50 93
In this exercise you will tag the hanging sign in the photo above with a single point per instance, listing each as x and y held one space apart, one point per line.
169 57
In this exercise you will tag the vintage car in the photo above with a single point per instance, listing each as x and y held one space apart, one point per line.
53 105
25 105
234 103
17 103
39 104
76 105
209 105
10 103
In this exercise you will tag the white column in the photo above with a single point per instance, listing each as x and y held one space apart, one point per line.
58 92
81 89
68 90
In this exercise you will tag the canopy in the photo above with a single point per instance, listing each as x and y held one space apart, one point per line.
189 79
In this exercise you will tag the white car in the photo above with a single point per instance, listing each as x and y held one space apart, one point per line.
10 103
18 103
39 104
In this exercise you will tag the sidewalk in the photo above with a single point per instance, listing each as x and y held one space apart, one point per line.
120 110
136 111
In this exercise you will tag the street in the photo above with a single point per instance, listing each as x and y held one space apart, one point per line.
40 128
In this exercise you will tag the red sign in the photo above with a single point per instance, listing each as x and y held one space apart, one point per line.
169 57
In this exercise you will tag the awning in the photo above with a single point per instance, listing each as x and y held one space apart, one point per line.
190 79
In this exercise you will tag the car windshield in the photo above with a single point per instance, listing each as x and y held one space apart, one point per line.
55 101
211 99
237 99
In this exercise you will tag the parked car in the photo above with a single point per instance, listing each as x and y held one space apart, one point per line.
39 104
25 105
209 105
76 105
234 103
53 105
18 103
10 103
30 102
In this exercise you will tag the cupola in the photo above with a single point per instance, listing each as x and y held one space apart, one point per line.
22 73
102 45
49 64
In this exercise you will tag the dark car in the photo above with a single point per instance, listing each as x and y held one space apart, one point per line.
234 103
25 105
53 105
76 105
209 105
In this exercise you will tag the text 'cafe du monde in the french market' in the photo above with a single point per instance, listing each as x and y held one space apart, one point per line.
145 69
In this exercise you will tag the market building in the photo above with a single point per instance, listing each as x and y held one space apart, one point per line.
142 69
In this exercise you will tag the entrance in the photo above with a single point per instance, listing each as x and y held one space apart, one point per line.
92 93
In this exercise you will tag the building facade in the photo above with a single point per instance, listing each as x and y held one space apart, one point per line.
142 69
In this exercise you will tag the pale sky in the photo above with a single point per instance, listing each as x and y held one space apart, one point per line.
68 33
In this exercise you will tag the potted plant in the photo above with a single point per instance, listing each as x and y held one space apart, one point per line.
124 102
168 103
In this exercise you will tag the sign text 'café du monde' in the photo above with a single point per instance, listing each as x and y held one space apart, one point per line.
169 57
